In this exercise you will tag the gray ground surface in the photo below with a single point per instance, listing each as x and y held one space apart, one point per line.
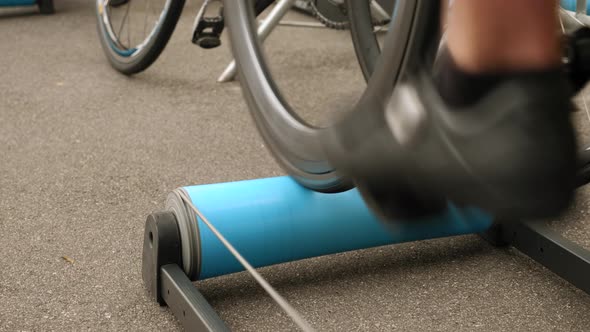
87 154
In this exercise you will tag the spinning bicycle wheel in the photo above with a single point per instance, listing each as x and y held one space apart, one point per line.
295 143
133 33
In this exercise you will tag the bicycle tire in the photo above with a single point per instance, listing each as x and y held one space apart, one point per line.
296 145
133 61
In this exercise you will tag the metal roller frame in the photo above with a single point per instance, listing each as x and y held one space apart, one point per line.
167 283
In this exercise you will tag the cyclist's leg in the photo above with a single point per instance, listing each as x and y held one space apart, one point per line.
490 128
505 44
503 35
486 40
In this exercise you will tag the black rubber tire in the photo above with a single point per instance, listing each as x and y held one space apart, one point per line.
46 7
152 50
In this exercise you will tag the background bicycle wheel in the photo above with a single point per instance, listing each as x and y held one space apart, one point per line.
134 33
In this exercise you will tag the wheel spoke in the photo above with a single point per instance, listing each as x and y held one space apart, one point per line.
125 31
128 27
118 35
154 12
146 17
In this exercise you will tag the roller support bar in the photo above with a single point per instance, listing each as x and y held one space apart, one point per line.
187 303
560 255
167 283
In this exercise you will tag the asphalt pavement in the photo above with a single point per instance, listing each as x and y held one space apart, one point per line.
87 153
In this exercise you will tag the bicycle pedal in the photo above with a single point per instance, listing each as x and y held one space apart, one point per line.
207 29
208 42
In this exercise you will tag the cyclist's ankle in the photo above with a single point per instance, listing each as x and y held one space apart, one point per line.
503 35
511 58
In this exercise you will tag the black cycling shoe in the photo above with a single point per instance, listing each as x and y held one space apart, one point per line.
512 153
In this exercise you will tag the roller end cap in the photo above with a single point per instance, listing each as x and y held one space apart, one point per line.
161 246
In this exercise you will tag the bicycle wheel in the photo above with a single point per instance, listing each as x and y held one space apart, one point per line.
296 144
134 33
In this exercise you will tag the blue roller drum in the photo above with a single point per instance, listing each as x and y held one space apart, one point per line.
571 5
6 3
45 6
275 220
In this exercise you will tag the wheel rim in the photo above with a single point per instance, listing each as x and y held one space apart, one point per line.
128 35
366 45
